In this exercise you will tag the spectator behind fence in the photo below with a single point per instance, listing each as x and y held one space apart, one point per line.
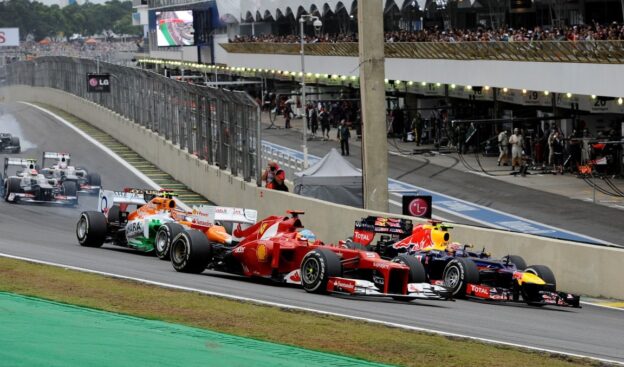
278 181
269 173
581 32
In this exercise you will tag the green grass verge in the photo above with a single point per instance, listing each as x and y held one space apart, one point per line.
324 333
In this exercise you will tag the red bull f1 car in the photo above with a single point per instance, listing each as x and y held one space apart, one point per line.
29 186
466 273
280 249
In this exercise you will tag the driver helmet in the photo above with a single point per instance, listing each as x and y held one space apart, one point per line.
62 163
306 234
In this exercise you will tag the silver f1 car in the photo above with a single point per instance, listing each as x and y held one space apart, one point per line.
9 143
87 182
28 185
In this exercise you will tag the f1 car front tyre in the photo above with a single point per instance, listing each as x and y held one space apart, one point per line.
12 185
317 267
458 273
190 252
94 179
546 274
416 268
91 229
71 189
166 233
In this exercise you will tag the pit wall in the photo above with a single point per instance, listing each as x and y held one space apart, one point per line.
583 269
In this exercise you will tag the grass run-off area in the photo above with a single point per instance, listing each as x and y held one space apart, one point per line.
317 332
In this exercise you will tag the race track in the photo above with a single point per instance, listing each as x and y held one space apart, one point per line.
47 233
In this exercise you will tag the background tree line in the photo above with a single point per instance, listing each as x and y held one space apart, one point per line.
33 17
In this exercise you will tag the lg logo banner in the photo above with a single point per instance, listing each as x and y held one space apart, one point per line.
98 83
9 37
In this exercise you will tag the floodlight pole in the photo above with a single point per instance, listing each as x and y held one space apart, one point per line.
302 20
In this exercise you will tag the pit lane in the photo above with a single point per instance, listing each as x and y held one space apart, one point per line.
47 234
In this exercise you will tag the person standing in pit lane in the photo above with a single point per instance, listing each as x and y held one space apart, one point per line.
503 147
517 142
343 135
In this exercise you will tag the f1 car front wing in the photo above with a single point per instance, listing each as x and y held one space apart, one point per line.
359 287
28 198
504 294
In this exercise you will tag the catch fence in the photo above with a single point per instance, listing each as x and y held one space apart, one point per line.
219 126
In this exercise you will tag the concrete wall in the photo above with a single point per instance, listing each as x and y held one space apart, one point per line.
584 269
560 77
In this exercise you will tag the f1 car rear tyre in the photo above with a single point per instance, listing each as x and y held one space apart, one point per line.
518 261
114 213
191 252
166 233
12 185
15 141
355 245
546 274
94 179
317 267
458 273
91 229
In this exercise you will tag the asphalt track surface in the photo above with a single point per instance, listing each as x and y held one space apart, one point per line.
47 234
585 218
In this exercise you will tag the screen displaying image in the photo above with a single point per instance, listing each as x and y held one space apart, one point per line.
175 28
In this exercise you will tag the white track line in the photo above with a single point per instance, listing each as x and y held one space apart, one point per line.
291 307
106 150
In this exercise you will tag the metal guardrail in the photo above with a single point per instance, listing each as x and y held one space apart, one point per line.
221 127
594 52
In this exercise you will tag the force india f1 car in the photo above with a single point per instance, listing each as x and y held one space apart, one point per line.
28 185
465 273
158 218
9 143
278 248
87 182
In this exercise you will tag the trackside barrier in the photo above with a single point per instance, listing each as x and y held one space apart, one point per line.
579 268
219 126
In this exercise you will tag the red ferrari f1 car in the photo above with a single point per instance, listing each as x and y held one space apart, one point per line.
464 272
280 249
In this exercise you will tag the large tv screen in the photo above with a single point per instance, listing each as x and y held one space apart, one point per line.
175 28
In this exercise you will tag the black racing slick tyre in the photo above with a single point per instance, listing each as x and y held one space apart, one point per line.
15 142
417 272
71 189
91 229
546 274
191 252
458 273
94 179
317 267
166 233
12 185
416 268
518 261
355 245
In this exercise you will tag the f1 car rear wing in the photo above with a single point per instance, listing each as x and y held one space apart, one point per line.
366 228
55 156
108 199
21 162
226 214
